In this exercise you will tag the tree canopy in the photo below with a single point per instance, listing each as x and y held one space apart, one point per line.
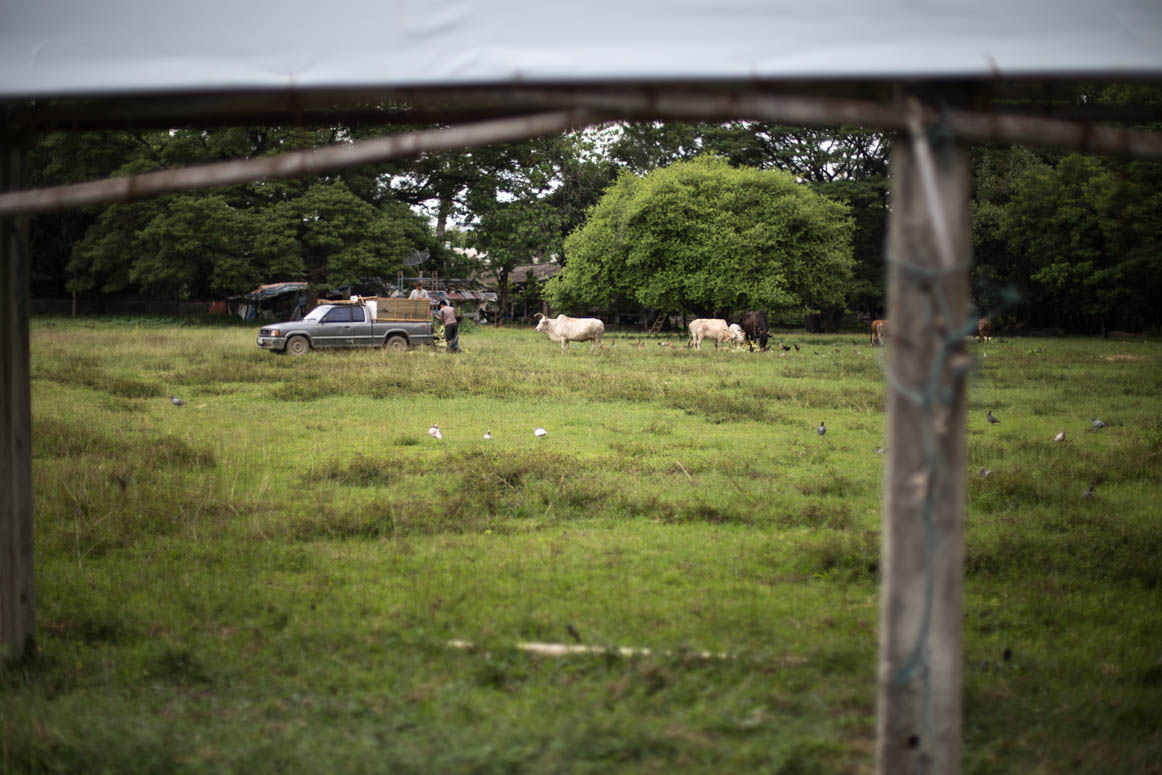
704 237
227 240
1078 239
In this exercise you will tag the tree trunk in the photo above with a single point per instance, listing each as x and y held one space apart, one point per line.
442 217
502 293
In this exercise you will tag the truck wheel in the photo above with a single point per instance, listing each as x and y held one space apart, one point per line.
298 345
397 343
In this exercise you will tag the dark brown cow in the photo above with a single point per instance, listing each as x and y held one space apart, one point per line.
878 331
984 329
754 325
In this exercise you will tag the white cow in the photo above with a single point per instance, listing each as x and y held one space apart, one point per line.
716 329
565 329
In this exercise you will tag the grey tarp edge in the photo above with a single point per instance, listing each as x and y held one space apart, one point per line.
81 48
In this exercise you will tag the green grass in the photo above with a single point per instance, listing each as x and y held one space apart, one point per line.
267 578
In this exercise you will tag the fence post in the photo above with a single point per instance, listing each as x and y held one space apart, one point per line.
921 606
17 598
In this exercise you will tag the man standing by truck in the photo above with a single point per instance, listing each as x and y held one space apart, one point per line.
451 333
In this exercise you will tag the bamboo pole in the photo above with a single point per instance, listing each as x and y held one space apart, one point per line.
17 591
920 660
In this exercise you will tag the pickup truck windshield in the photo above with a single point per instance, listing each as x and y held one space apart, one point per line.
316 313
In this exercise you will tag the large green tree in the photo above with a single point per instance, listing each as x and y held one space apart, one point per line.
847 164
704 237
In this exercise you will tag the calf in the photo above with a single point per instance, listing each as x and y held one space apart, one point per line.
878 330
984 329
754 324
565 329
716 329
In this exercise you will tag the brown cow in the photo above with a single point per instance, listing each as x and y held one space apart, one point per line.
984 330
878 332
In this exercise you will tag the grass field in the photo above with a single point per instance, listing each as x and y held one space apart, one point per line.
267 578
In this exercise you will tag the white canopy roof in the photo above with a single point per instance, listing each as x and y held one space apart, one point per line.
84 48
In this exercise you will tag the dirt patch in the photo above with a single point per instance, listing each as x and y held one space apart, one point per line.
1122 357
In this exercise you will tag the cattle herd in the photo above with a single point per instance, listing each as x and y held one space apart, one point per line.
753 328
984 331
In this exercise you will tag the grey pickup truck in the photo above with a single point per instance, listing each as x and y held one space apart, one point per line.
393 323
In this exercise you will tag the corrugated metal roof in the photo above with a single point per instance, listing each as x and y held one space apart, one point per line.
85 48
274 289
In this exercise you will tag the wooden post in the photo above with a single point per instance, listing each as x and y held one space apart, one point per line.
17 598
921 612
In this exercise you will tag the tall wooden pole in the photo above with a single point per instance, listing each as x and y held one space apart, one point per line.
17 598
920 662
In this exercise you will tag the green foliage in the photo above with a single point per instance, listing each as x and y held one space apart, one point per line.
867 199
344 238
224 241
704 237
191 240
102 259
1080 238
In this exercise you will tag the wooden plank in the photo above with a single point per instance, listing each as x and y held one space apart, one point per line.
17 593
403 309
575 110
920 661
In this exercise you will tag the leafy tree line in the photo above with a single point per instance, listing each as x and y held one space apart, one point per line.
519 203
1077 237
327 229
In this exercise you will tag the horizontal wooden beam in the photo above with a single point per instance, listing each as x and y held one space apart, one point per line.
447 105
567 109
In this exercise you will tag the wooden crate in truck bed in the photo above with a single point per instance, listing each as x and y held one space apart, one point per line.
402 309
390 309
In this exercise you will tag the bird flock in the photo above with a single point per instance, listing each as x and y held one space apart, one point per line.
436 434
1095 424
540 433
